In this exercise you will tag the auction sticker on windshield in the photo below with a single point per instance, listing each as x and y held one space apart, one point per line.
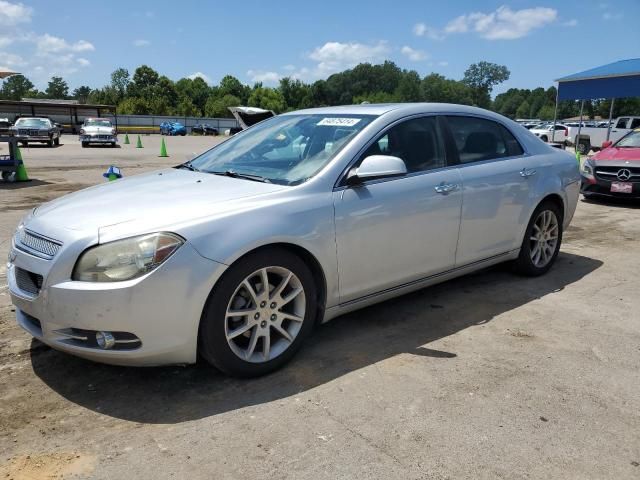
338 122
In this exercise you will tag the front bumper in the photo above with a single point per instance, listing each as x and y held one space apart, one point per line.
600 187
98 138
32 138
162 309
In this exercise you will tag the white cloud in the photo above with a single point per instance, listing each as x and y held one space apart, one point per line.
269 78
49 44
611 16
335 56
413 54
12 14
141 43
504 23
570 23
84 62
422 30
289 68
12 60
5 41
204 77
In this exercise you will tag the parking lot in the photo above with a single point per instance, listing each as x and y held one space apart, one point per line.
486 376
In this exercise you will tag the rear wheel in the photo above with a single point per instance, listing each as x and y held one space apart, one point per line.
544 138
541 242
258 314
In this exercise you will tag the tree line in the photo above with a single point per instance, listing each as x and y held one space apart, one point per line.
147 92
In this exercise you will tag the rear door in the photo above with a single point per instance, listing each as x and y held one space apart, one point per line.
495 181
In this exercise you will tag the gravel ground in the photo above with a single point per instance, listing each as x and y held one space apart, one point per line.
486 376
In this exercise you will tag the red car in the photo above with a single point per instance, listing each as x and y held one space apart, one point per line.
615 170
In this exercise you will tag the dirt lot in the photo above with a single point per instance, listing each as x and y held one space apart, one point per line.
487 376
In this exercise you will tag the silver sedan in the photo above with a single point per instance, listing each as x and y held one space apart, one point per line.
237 254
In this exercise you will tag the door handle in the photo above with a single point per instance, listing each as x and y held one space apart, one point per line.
445 188
527 173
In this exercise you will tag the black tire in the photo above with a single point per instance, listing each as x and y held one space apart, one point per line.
57 142
544 138
24 144
213 345
84 144
524 265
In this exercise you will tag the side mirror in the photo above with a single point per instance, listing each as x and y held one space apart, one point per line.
377 166
607 144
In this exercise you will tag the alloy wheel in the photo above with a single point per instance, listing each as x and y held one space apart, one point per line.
265 314
544 238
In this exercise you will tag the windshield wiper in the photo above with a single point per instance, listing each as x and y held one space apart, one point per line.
246 176
189 166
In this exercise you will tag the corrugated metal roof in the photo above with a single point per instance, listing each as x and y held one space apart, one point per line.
621 68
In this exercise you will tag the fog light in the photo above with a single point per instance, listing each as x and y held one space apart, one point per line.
105 340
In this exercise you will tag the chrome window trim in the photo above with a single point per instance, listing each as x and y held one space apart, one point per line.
340 185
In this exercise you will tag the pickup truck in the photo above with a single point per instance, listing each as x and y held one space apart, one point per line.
591 138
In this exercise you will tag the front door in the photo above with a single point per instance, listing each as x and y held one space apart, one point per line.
393 231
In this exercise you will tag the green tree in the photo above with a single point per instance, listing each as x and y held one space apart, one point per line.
134 106
524 110
17 87
219 107
230 85
546 112
187 108
57 88
296 94
481 77
120 80
437 88
144 80
81 93
267 98
408 89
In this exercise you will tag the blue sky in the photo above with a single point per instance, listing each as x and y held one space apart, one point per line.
84 41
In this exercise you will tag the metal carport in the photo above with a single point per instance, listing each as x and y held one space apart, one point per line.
619 79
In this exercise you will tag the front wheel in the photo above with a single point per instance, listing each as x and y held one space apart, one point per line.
541 242
57 142
258 314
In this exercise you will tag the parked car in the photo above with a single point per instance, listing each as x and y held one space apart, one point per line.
36 129
591 138
5 126
546 132
172 128
237 254
98 130
615 170
204 129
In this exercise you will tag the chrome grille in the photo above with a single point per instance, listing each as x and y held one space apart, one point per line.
611 173
37 243
28 282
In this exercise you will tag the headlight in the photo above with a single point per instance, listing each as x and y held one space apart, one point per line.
125 259
587 168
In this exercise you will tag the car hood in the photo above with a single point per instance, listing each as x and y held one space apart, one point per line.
160 199
617 154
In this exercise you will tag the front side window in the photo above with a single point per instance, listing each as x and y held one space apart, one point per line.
417 142
479 139
286 149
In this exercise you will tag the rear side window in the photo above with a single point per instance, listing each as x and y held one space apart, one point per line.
479 139
635 123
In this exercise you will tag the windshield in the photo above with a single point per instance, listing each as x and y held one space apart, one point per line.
287 150
33 122
631 140
97 123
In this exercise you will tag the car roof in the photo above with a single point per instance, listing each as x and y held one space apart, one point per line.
382 108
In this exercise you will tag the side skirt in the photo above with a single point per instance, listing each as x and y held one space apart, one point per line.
405 288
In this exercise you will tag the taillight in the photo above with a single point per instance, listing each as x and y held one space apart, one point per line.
566 132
